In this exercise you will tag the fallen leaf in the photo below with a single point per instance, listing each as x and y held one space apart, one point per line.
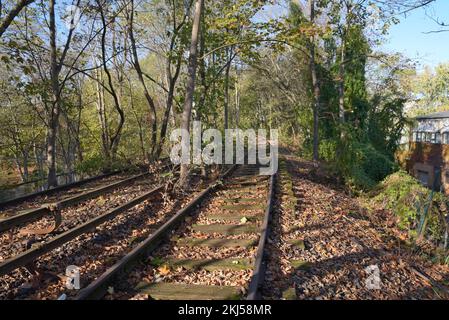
164 270
101 201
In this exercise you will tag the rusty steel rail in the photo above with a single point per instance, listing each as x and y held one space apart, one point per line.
98 288
13 186
54 190
66 186
41 249
258 276
33 214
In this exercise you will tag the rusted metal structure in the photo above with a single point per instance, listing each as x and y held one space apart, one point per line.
428 158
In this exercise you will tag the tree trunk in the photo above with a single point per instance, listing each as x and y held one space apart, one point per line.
19 167
171 80
138 68
190 88
139 122
315 84
164 125
341 84
101 110
78 126
226 97
55 107
13 14
39 160
237 99
202 74
115 139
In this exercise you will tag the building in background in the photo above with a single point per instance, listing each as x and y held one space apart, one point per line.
428 156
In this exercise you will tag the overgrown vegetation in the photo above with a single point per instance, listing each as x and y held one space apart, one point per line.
360 121
108 92
419 211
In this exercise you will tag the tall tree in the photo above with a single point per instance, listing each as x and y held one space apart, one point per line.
55 108
56 65
139 71
116 137
190 87
315 83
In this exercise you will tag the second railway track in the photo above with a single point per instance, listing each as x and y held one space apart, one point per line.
93 245
73 213
37 212
49 193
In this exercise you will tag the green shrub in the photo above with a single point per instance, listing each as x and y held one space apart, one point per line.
408 199
361 165
97 164
91 166
402 194
375 164
357 179
327 149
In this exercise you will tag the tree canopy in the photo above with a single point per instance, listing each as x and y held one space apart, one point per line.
89 85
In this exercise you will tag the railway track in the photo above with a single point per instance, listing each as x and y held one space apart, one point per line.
213 248
38 212
50 192
51 206
34 202
94 244
66 190
64 220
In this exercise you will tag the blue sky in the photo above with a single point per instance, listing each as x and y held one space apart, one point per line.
409 36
